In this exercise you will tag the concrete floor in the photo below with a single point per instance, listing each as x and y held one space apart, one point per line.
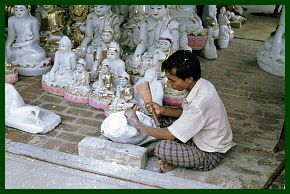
255 103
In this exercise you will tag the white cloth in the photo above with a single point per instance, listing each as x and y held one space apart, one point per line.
204 119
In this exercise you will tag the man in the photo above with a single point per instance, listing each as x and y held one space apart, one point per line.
201 135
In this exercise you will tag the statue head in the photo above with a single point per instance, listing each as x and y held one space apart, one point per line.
81 65
21 10
138 12
150 75
64 44
113 52
158 12
223 10
101 10
47 7
107 34
124 79
165 41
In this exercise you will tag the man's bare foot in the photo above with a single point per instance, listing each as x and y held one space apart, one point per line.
164 167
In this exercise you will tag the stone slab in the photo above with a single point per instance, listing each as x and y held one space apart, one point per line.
113 170
124 154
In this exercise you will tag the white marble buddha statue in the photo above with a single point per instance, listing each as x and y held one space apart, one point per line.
81 80
95 24
117 65
224 30
101 45
124 93
163 51
210 51
22 44
151 28
61 74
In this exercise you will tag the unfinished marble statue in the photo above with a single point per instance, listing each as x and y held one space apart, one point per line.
150 30
271 55
224 31
122 11
28 118
124 93
155 87
236 18
209 50
22 44
52 22
117 65
11 73
61 74
116 128
95 24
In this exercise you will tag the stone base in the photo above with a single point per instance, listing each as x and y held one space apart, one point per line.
76 99
98 104
171 100
29 71
236 24
53 90
106 150
11 78
269 64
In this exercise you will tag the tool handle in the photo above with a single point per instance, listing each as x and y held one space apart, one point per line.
155 118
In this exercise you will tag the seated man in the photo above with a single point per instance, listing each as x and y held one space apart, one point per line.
201 135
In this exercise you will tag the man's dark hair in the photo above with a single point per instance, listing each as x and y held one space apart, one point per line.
186 64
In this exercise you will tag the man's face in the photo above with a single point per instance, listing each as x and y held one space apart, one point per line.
158 11
20 11
101 9
176 82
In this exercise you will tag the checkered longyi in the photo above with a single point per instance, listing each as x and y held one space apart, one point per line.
187 155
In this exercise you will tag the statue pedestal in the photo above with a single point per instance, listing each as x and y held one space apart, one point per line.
267 63
53 90
11 78
32 71
99 104
173 98
197 42
76 99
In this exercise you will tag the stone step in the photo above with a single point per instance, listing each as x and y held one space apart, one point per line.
119 153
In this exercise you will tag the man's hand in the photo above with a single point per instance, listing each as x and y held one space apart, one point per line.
132 118
152 105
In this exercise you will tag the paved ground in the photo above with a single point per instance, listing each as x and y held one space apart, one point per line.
254 101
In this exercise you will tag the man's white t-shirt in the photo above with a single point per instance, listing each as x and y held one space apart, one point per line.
204 120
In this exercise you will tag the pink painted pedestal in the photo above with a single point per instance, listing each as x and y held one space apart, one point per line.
171 100
11 78
98 104
53 90
76 99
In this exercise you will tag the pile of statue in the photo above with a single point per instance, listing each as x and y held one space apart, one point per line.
95 54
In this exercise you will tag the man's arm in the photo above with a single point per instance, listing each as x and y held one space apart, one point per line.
159 133
163 110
